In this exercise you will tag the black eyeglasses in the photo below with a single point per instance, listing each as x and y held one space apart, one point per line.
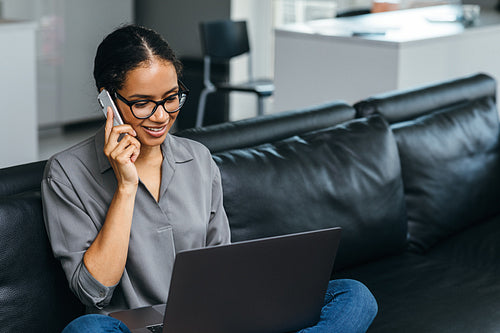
145 108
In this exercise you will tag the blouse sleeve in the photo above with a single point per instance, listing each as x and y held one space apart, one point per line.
71 231
218 227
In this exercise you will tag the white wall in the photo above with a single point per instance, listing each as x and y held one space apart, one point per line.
68 34
18 127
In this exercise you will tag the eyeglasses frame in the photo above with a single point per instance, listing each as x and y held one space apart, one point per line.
183 90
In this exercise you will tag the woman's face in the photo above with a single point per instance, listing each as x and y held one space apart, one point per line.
153 80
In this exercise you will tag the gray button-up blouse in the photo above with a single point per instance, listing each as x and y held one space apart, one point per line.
77 189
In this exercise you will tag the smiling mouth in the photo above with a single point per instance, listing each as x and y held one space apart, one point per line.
155 132
155 129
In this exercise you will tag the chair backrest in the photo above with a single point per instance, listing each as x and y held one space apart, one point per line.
224 39
353 12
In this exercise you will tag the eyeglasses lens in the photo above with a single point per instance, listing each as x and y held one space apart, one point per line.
144 109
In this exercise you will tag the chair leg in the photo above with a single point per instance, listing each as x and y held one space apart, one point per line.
260 110
201 107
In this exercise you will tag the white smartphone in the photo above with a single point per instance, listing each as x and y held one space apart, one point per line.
105 100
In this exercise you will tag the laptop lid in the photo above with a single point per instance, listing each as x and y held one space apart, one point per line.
274 284
268 285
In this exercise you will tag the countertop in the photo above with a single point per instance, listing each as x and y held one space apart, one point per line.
395 27
6 24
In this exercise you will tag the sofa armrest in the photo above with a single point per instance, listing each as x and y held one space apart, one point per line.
34 293
21 178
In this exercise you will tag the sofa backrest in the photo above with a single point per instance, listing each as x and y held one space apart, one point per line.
397 106
21 178
269 128
326 178
450 164
34 292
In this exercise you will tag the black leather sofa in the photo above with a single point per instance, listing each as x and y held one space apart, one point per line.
413 177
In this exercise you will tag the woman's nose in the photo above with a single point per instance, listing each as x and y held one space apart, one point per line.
160 115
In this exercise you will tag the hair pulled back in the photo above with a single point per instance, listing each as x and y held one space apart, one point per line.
125 49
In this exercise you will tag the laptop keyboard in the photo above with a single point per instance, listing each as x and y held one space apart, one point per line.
155 328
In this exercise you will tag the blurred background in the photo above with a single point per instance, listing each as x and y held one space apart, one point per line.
48 46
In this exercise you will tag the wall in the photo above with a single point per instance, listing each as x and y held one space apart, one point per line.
68 33
18 128
259 17
179 23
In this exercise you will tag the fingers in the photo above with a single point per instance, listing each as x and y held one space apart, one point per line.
126 142
117 131
135 154
114 141
109 124
122 150
122 156
114 148
112 133
126 155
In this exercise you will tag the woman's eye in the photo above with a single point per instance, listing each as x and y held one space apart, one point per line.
141 104
171 99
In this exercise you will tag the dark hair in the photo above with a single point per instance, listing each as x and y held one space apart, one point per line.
125 49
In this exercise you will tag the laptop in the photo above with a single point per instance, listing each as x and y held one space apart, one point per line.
274 284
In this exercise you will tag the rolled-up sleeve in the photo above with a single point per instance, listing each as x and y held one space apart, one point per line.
71 231
218 226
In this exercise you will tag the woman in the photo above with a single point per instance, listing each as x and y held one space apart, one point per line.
119 205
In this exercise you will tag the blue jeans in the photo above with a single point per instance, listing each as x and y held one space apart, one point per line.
349 307
96 323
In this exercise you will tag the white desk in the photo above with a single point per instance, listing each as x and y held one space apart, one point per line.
18 111
320 61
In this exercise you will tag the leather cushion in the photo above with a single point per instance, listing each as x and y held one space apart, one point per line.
34 293
451 170
346 176
417 294
477 246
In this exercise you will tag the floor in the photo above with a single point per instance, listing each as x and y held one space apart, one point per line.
56 140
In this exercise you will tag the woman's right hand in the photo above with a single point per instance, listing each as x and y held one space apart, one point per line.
106 257
122 154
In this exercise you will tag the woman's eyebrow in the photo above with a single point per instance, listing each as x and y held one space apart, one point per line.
150 97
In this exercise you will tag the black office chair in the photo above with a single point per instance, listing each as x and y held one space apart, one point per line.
353 12
223 40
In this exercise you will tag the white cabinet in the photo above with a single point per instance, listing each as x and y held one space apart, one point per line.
68 34
18 124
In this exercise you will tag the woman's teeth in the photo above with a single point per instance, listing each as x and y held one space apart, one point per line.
154 129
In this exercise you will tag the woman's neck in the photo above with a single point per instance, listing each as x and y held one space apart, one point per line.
148 166
151 156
